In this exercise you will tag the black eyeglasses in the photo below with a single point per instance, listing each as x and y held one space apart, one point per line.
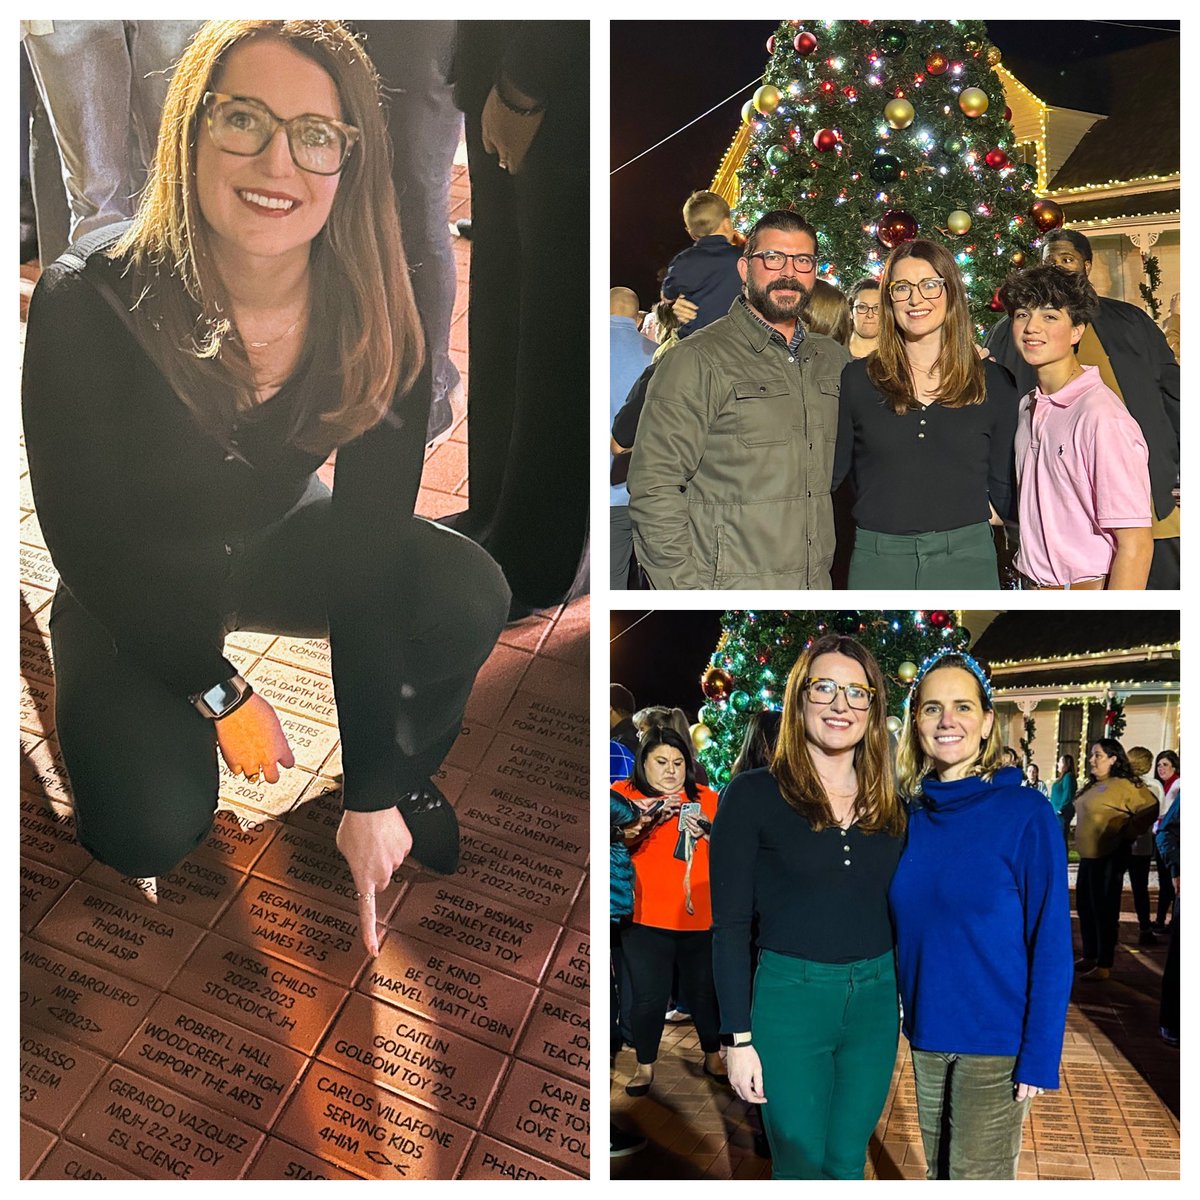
238 125
776 260
866 310
930 288
824 691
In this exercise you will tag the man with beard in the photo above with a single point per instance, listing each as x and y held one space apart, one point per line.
729 479
1134 361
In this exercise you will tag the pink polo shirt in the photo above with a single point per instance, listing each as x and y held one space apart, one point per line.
1081 472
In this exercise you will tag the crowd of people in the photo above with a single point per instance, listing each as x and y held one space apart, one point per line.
764 400
847 884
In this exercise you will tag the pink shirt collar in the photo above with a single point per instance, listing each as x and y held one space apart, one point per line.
1066 396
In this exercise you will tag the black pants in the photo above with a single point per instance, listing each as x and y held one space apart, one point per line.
1166 889
1098 903
651 954
527 412
1168 1009
1138 866
142 760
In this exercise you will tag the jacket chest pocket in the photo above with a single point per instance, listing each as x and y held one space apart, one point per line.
765 413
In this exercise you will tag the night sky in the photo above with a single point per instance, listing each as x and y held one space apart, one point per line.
666 73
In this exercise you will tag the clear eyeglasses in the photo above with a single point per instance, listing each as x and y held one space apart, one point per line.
242 126
776 260
930 288
824 691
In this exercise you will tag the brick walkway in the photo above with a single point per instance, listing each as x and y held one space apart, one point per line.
1116 1115
236 1029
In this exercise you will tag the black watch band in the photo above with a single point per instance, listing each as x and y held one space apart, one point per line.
516 108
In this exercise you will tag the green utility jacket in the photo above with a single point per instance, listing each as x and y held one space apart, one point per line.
729 478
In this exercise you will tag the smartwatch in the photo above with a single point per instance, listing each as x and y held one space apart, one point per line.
737 1039
222 698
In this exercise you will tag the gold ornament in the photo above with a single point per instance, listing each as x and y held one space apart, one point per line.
973 102
958 222
994 56
907 671
767 98
972 45
748 112
894 725
1017 258
701 735
899 113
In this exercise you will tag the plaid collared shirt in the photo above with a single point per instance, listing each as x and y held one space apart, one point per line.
792 344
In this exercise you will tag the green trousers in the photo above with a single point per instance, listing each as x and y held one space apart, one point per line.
826 1034
970 1121
959 558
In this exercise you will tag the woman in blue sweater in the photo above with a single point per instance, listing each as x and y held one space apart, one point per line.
983 927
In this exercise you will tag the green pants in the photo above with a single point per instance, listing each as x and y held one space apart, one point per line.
826 1034
970 1121
959 558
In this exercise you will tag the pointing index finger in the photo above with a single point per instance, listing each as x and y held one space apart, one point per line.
366 922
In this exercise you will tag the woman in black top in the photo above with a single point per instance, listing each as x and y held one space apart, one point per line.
925 431
181 388
808 847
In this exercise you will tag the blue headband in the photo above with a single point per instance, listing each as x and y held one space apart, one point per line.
966 662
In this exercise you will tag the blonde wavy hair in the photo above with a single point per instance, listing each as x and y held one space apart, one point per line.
364 339
913 764
877 806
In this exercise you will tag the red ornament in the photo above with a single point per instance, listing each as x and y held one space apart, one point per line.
1046 215
825 140
937 63
804 43
1007 113
716 683
996 305
896 226
771 44
939 619
996 159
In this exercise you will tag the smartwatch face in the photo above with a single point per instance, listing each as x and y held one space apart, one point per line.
221 696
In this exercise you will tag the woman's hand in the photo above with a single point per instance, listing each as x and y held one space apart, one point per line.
374 844
691 824
253 742
1026 1091
745 1073
505 133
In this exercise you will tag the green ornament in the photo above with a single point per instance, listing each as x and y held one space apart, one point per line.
740 702
777 156
953 144
893 40
885 168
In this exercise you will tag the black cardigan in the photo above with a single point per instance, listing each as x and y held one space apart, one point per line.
140 508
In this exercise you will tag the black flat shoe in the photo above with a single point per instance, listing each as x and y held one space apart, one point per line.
716 1077
434 827
637 1089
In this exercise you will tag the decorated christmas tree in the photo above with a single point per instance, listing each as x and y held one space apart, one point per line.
749 668
881 132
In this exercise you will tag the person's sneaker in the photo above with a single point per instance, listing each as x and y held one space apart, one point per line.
1172 1039
461 228
1083 965
1096 974
1147 937
677 1017
622 1144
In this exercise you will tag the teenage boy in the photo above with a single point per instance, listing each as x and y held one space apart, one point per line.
1083 481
